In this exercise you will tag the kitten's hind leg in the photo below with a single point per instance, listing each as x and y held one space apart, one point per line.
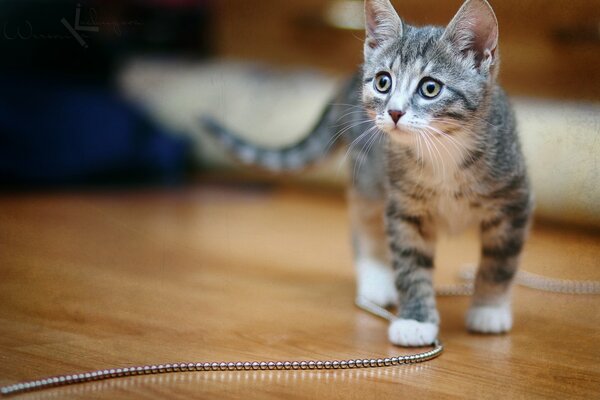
374 275
502 240
375 282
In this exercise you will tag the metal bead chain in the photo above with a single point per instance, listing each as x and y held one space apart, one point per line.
554 285
63 380
523 278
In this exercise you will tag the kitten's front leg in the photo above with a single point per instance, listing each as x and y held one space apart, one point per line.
412 245
502 239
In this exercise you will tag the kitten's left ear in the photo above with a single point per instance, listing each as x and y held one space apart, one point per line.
475 28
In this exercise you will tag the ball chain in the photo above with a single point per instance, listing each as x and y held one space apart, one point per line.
523 278
63 380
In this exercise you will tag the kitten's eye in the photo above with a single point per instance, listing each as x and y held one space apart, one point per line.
429 88
383 82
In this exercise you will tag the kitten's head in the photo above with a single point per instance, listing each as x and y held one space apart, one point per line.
428 79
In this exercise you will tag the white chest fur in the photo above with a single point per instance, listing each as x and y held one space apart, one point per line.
453 214
451 208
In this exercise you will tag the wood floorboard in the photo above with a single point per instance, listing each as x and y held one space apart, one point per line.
224 272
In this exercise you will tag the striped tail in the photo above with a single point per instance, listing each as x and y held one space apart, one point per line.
292 157
305 152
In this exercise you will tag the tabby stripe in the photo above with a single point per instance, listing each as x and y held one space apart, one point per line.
394 212
418 310
402 274
472 158
491 224
499 274
463 97
420 259
418 285
520 221
412 189
416 196
426 47
412 220
515 184
509 249
517 208
452 114
415 289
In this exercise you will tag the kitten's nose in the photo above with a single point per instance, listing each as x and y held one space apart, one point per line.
396 115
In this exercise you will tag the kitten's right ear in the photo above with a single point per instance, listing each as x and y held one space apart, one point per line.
382 24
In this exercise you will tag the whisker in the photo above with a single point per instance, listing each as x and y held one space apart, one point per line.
474 117
467 125
362 155
338 135
453 140
459 146
420 155
429 151
452 156
365 151
350 123
448 122
440 159
354 142
349 113
347 105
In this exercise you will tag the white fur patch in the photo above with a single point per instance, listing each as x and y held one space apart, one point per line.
409 333
454 215
489 319
375 282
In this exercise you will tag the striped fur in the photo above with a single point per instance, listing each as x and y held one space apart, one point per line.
313 147
450 161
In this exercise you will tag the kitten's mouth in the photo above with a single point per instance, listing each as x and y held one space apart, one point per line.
403 134
400 135
402 130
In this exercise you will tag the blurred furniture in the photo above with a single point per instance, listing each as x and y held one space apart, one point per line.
549 48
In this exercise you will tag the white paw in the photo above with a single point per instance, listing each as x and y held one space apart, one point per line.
375 282
409 333
489 319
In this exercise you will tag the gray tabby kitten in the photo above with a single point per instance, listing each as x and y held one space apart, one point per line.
442 153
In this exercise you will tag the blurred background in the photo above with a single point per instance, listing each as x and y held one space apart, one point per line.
109 93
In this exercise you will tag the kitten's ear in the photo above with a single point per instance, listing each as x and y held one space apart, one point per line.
382 23
475 28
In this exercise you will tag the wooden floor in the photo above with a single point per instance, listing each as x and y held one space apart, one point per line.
100 280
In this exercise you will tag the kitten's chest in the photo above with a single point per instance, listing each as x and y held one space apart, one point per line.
453 215
445 192
453 208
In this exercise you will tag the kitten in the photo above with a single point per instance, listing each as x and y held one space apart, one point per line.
433 148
